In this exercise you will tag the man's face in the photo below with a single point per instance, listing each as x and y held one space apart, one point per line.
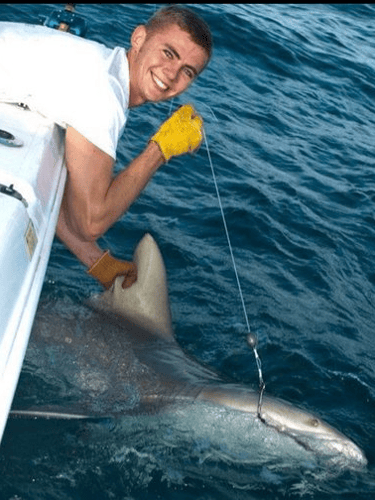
162 64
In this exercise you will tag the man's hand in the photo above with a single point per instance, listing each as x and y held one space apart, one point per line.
181 133
106 269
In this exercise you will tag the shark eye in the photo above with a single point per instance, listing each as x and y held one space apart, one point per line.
313 422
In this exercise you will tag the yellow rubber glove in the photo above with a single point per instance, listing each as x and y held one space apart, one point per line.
181 133
107 268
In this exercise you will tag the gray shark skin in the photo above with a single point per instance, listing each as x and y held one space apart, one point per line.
118 356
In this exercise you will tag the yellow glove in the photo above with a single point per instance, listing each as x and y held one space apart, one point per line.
107 268
180 134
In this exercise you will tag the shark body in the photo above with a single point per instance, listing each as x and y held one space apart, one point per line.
119 357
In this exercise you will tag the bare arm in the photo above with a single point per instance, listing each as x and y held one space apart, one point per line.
88 252
93 198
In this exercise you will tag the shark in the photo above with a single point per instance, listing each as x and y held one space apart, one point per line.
118 356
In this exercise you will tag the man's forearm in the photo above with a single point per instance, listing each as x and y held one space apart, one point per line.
93 198
88 252
127 186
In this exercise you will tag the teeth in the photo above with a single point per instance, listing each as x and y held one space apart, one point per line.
160 83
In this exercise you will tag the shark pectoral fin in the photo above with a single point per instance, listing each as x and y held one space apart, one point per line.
146 302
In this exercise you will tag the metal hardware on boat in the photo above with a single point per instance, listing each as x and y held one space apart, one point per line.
66 20
8 139
10 191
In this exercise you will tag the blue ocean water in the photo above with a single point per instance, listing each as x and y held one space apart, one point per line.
288 104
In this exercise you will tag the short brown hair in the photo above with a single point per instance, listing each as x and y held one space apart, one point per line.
187 20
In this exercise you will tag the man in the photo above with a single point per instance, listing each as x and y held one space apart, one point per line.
166 56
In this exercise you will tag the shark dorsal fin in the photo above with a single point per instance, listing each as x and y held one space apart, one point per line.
146 303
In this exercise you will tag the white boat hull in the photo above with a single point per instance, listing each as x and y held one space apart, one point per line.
32 179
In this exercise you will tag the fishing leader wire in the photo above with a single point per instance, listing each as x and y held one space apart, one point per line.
251 338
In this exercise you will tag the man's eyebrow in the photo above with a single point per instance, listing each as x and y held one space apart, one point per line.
176 54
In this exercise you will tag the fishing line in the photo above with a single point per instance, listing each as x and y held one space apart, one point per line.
251 338
226 230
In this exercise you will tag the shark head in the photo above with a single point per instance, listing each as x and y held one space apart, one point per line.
305 428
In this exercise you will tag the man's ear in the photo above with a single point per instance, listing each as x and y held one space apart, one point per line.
138 37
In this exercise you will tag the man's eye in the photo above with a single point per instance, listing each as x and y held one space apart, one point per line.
168 53
189 73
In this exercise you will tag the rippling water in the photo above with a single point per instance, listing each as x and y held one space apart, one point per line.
288 104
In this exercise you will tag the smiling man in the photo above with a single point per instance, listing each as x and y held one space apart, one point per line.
87 89
165 57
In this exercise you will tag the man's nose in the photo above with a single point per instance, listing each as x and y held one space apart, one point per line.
171 70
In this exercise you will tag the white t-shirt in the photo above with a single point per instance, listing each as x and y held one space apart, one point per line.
72 81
